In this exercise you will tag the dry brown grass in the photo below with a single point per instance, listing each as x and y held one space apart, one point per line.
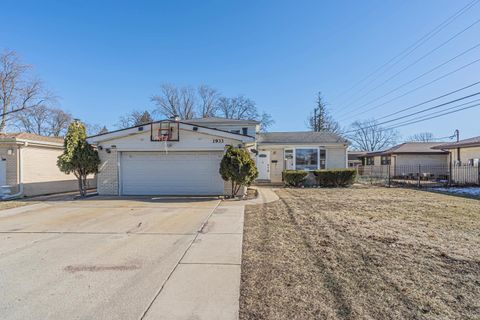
361 253
13 204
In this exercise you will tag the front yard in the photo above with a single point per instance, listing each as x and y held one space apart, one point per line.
361 252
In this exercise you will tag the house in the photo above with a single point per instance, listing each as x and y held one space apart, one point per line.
278 151
172 157
408 159
355 158
28 165
466 152
408 154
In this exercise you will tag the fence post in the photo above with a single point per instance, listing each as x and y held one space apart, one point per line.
389 177
418 176
450 173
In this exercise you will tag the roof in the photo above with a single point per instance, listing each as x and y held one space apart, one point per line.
21 136
220 120
410 147
355 155
471 142
303 137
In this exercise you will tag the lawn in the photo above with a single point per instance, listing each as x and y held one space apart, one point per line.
361 252
13 204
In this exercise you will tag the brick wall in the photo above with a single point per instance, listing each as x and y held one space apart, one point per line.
11 165
107 178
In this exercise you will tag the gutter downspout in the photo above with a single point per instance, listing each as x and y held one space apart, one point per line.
19 194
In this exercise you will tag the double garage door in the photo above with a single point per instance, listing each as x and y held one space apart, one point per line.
174 173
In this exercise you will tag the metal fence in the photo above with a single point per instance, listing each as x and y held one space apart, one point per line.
421 176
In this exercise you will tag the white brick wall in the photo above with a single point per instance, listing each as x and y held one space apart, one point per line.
107 178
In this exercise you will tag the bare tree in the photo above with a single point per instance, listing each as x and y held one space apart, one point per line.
18 91
187 103
238 107
173 101
42 120
208 101
422 137
134 118
320 119
266 121
369 136
94 129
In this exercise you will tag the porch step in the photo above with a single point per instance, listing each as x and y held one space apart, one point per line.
263 182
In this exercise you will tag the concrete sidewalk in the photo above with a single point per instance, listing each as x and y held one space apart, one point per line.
206 282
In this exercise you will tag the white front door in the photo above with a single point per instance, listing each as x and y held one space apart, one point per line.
263 165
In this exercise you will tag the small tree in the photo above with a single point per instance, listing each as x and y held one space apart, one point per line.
78 157
239 168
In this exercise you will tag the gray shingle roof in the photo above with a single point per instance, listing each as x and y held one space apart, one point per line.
30 137
410 147
471 142
300 137
220 120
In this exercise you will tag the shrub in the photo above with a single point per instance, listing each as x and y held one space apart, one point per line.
336 177
294 178
238 167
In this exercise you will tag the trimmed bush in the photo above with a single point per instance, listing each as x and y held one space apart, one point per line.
294 178
336 177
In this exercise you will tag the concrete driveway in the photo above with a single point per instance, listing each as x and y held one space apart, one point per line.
121 259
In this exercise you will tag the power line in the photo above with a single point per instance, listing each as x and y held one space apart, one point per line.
420 76
415 45
437 116
418 112
425 102
415 62
416 89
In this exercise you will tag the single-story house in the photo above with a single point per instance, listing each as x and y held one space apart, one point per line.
463 152
28 165
278 151
355 158
408 154
172 157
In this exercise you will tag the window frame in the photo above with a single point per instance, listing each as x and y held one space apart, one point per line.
294 154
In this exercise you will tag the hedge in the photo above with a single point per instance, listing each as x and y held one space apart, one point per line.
336 177
294 178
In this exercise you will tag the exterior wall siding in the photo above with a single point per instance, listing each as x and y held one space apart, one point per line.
437 160
336 158
466 154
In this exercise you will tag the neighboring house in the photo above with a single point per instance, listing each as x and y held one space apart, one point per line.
183 157
28 165
278 151
463 152
355 158
408 154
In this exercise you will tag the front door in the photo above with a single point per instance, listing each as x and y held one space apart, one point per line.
263 165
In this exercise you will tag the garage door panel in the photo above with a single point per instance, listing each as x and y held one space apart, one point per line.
174 173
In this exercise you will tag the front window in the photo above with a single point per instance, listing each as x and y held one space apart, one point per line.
385 160
370 161
306 159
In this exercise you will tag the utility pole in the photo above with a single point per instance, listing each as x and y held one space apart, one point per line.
457 134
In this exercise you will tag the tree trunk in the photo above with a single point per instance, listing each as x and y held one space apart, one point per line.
80 187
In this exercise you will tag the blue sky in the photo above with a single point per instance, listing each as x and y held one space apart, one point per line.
104 58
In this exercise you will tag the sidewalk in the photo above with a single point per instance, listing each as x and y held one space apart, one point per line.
205 284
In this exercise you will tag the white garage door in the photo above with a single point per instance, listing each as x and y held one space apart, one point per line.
175 173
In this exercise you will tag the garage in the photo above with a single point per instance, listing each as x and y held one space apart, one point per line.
171 173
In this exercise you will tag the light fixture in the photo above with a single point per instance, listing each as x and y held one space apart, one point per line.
10 152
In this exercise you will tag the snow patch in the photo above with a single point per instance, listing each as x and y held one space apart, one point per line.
470 191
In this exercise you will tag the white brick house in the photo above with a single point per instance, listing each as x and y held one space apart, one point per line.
183 157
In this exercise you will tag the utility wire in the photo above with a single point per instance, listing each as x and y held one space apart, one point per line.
405 53
425 102
414 63
415 89
433 117
417 112
418 77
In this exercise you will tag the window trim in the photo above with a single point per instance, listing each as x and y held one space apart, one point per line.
319 149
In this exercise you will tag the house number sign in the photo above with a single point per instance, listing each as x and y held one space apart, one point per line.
217 140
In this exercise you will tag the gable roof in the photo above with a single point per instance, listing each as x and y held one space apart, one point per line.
410 148
26 136
300 137
136 129
219 120
471 142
